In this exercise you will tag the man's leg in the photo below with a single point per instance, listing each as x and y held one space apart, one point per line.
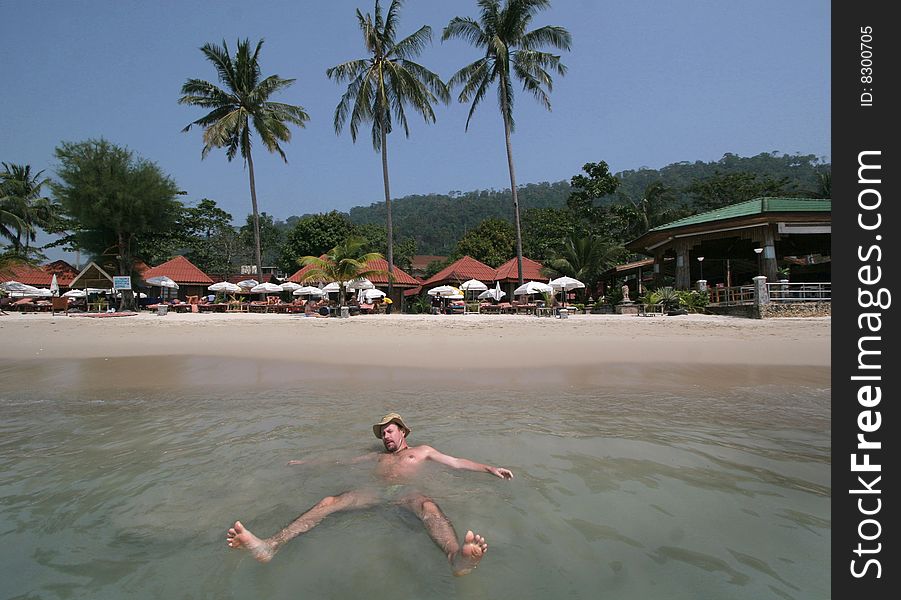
263 550
462 559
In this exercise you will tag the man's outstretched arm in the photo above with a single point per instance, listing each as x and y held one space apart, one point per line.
466 464
340 461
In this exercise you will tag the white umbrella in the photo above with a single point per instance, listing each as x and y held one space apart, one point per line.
496 294
373 294
359 284
473 285
533 287
332 287
248 283
15 286
565 284
54 285
162 281
308 290
225 286
265 288
290 286
75 294
444 291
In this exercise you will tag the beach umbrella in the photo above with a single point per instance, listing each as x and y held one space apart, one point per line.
248 284
444 291
496 294
54 285
565 284
372 294
332 287
308 290
473 285
359 284
225 286
75 294
15 286
533 287
290 286
265 288
162 281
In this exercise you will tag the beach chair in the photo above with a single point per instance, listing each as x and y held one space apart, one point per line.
59 304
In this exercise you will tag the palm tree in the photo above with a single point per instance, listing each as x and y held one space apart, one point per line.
23 210
343 263
381 84
585 259
510 50
241 108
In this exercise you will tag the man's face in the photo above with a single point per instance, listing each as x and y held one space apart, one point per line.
393 437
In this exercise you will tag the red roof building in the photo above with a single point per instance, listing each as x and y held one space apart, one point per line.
531 271
459 271
180 270
40 276
402 279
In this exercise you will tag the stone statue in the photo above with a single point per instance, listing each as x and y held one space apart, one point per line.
626 293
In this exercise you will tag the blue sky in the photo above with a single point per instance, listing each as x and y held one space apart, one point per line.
649 83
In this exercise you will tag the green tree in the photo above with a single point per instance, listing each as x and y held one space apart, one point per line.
345 262
23 208
209 234
656 206
544 230
381 84
241 108
585 258
492 242
314 235
724 189
377 241
271 237
115 199
509 51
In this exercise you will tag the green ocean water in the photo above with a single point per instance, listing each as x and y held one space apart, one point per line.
119 479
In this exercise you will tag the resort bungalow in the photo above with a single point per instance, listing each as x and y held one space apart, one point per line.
460 270
42 276
508 274
402 280
190 279
780 238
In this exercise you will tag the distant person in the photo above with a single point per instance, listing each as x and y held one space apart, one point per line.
398 465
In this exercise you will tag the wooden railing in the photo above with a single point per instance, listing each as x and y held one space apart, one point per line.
731 296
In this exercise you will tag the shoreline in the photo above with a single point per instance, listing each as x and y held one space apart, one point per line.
432 342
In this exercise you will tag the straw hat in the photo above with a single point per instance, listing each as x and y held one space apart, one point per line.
390 418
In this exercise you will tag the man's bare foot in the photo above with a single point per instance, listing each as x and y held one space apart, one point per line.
240 538
470 553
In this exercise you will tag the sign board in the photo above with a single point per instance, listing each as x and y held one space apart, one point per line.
122 282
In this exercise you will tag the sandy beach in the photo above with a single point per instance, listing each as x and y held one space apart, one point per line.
427 341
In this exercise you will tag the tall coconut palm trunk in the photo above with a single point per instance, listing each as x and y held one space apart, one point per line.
256 219
512 185
389 226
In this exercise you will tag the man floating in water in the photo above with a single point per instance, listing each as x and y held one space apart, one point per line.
399 462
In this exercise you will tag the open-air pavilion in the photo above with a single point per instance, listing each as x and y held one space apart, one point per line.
731 245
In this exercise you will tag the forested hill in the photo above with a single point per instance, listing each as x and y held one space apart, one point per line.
437 221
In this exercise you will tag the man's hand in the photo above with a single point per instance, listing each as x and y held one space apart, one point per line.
501 472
